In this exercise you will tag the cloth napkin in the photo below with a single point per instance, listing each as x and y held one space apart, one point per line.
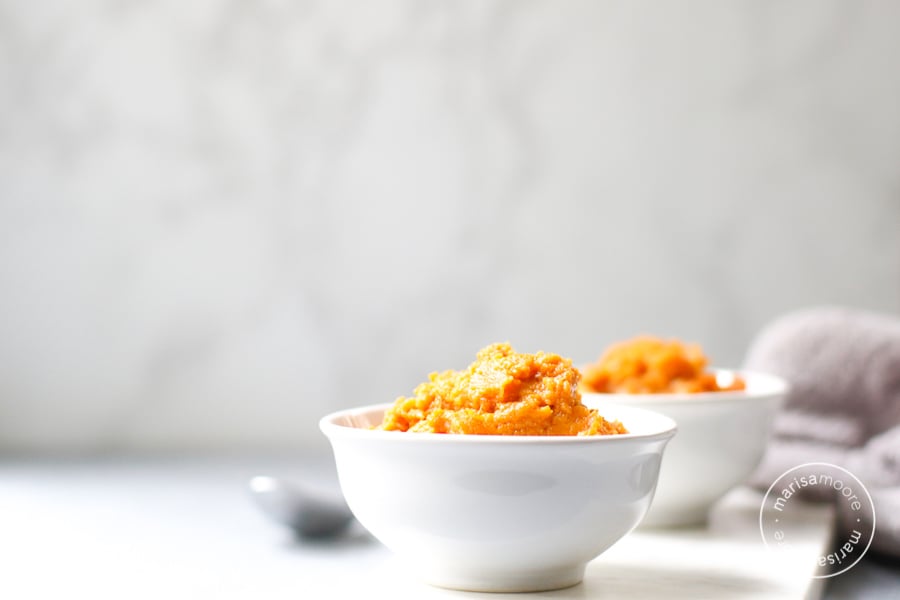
844 406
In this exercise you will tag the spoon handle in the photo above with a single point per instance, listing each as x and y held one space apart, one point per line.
309 514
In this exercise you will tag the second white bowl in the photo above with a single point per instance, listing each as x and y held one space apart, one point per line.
721 439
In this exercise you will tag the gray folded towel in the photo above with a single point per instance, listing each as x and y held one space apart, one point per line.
844 405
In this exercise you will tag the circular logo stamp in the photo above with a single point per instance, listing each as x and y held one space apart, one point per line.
781 516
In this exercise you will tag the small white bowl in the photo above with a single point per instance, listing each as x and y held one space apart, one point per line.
721 439
498 513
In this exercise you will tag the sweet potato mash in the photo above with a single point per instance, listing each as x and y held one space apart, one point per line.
502 393
647 365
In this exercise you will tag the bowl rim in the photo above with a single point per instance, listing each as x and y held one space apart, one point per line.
330 428
772 386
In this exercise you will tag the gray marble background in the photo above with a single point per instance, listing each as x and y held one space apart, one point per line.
221 219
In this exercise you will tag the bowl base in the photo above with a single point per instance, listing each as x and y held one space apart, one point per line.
506 581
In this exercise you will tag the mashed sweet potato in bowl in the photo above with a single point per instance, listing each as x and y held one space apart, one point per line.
648 365
497 477
724 417
503 392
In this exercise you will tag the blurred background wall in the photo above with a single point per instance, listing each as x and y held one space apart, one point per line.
220 219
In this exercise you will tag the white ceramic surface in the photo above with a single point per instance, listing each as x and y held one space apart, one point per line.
498 513
62 518
721 439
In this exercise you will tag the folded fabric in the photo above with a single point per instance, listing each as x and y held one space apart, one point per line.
844 407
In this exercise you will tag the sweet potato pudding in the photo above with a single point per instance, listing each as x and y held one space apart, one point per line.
647 365
502 393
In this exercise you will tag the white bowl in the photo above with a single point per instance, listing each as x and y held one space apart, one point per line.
721 439
498 513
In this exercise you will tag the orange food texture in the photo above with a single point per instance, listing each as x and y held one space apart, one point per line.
502 393
647 365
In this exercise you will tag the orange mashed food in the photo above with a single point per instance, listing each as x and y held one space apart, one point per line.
502 393
647 365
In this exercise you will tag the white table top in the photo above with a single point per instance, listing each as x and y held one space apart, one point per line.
186 529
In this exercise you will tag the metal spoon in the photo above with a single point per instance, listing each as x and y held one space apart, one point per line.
309 513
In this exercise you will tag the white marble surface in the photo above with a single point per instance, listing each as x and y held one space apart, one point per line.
220 220
183 528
